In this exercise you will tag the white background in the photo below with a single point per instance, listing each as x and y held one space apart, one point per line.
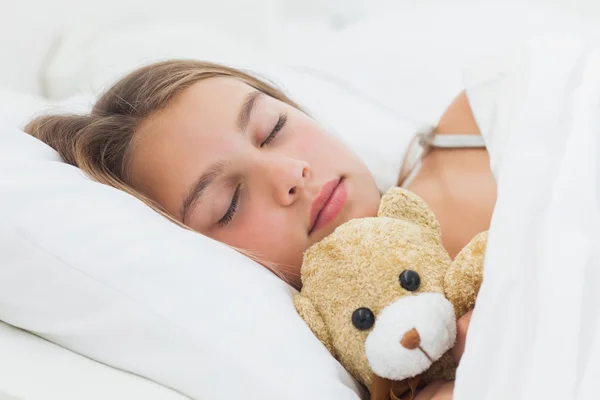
30 29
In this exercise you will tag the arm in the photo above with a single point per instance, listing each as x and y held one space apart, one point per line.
458 118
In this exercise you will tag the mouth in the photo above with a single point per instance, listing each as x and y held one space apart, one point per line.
328 204
410 334
425 353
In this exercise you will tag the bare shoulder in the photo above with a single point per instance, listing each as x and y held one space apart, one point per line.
457 184
458 118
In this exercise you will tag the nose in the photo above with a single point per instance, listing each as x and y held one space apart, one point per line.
287 177
411 339
410 334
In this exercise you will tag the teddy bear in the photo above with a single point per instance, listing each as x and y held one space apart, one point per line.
383 295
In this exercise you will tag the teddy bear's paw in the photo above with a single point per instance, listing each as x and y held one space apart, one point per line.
463 278
410 334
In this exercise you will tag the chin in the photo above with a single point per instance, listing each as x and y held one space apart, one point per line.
366 204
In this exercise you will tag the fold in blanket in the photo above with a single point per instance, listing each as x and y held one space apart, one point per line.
534 332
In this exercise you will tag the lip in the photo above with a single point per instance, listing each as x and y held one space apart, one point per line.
328 204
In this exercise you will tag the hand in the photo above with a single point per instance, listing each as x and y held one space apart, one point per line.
438 390
462 325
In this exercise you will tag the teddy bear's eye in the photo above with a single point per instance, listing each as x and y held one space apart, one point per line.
363 318
410 280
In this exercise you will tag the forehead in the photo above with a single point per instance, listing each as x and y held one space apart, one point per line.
209 100
175 145
207 107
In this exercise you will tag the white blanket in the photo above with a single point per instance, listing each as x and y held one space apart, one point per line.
534 333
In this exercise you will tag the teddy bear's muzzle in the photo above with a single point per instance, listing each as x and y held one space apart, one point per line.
410 334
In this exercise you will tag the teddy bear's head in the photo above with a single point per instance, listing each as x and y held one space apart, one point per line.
373 291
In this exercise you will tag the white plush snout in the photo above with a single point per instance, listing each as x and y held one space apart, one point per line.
410 334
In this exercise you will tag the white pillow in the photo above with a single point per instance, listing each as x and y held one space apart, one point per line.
18 108
89 58
32 368
29 30
96 271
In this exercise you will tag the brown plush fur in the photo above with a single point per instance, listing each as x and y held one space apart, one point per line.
358 265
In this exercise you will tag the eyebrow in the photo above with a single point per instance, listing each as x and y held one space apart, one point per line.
246 111
198 188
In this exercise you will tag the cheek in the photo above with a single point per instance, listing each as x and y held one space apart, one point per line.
314 143
274 235
327 154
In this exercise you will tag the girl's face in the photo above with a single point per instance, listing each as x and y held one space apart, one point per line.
250 171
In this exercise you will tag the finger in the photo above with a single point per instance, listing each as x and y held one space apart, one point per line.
445 392
462 326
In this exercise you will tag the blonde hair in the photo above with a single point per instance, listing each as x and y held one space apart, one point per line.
100 143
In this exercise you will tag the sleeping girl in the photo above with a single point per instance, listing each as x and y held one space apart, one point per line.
222 153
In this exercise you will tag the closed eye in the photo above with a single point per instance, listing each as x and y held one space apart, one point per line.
276 129
233 206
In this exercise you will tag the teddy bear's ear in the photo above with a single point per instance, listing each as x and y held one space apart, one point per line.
404 204
313 319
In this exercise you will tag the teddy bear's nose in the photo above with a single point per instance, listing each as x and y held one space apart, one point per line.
411 339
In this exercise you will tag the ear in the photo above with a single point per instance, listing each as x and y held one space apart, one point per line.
403 204
313 319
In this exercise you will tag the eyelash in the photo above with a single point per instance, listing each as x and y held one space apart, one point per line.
236 196
232 209
276 129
